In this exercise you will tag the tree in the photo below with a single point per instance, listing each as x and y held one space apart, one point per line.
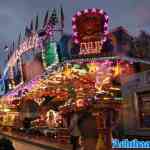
122 35
124 41
142 44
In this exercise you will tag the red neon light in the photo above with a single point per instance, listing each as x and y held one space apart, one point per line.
90 12
90 47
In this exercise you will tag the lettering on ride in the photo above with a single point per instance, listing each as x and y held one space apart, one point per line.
31 42
90 47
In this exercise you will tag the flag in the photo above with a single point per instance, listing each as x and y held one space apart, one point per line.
19 40
31 25
36 23
54 17
61 16
6 48
13 46
8 56
27 32
0 72
46 18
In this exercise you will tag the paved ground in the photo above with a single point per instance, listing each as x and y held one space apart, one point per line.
20 145
28 143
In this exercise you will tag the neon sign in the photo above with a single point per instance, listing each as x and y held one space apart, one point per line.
90 47
31 42
90 29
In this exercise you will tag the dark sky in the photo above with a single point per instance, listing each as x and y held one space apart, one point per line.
15 14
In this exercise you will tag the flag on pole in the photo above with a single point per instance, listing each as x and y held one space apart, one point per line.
37 23
31 25
54 17
8 56
13 46
9 53
19 39
46 18
6 48
27 31
62 16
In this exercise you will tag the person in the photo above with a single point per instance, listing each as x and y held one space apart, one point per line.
26 123
88 128
74 131
6 144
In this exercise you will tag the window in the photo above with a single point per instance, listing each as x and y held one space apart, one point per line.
144 109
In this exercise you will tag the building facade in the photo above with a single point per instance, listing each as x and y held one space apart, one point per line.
135 116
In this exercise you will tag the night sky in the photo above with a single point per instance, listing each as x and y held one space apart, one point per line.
16 14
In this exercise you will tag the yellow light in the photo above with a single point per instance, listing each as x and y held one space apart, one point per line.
92 67
117 70
106 98
113 88
90 47
67 72
6 110
99 86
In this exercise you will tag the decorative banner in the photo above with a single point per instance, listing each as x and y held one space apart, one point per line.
50 55
90 28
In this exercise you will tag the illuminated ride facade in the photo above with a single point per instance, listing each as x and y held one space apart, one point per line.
29 59
80 77
80 70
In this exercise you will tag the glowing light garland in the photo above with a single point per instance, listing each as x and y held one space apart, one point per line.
85 48
89 47
26 45
49 54
59 66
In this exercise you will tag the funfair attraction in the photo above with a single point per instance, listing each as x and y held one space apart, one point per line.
79 71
